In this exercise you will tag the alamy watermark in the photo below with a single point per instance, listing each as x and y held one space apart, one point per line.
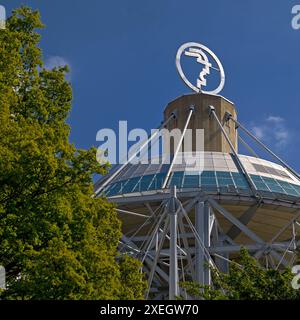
296 279
137 146
2 278
2 17
296 17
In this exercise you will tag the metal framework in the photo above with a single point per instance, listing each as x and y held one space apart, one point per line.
184 238
142 147
181 238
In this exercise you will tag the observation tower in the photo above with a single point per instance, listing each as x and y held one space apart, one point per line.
180 218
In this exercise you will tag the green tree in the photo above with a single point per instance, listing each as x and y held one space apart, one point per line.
56 241
247 280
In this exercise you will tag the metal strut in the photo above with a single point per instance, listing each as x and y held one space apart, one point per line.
173 272
244 171
202 215
239 125
248 147
178 147
145 143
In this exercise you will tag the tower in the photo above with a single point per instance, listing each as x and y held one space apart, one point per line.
183 220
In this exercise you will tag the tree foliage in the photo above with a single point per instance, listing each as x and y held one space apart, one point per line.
247 280
56 241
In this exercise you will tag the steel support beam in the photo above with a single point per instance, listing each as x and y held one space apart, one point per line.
236 156
238 125
178 147
142 146
173 271
235 221
244 218
175 239
199 254
206 240
202 217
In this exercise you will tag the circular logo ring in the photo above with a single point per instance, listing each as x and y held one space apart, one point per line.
201 58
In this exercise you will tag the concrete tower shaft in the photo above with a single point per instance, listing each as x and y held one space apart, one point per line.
214 140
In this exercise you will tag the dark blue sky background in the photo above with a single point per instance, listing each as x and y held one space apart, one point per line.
122 54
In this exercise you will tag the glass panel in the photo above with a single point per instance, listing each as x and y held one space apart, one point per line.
269 180
164 168
241 184
108 190
114 189
159 178
273 185
208 181
176 179
223 174
205 174
145 183
191 181
118 188
137 187
225 182
276 189
259 167
256 178
284 184
239 180
289 188
297 188
237 175
290 191
130 185
261 186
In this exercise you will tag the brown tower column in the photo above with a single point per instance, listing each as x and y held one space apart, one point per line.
213 137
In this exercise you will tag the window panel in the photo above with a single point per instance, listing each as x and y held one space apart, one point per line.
289 188
261 186
207 174
225 182
145 182
256 178
130 185
276 189
290 191
273 185
208 181
240 181
191 181
159 179
223 174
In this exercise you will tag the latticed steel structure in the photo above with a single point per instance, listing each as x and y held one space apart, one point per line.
183 220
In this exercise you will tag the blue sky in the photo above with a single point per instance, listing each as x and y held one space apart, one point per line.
122 59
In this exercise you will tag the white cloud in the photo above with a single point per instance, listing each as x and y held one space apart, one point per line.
273 131
56 61
258 132
275 119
